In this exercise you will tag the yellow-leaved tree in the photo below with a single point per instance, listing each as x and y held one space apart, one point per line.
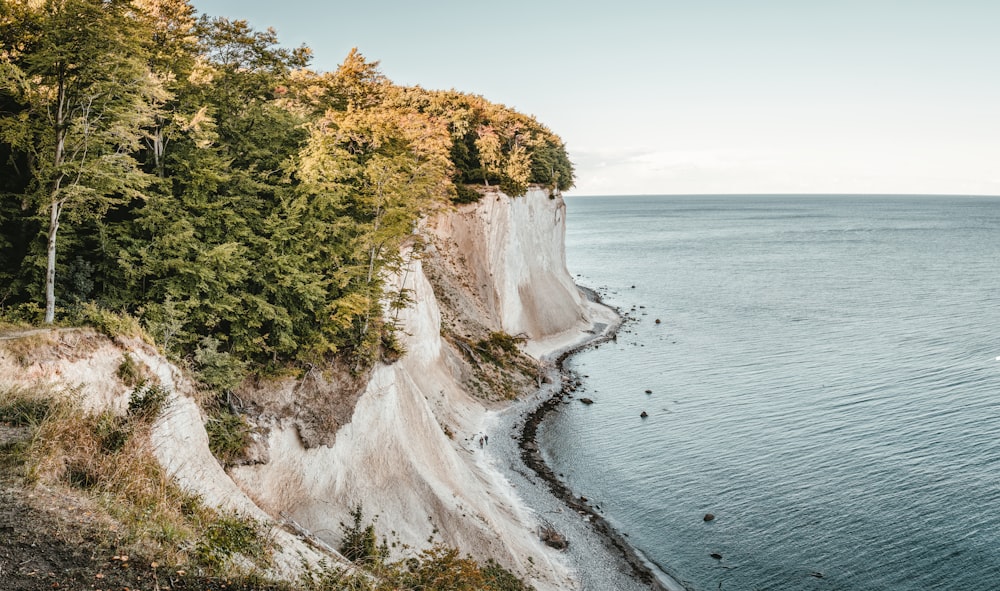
382 167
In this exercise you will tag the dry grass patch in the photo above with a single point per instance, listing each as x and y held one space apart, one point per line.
108 458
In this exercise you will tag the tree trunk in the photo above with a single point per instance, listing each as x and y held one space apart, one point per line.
158 147
50 270
56 205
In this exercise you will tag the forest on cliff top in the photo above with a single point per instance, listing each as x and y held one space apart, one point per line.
191 172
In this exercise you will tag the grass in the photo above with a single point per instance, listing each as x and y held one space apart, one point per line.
24 407
109 459
229 535
23 348
129 371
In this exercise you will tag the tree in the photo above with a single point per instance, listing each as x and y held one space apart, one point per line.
550 166
86 93
357 83
215 240
491 143
172 56
195 173
381 168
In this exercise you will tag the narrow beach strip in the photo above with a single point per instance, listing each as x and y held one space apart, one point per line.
601 556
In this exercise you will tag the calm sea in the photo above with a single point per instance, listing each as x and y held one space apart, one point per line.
824 381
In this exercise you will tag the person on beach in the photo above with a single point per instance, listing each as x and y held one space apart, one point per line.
486 439
480 443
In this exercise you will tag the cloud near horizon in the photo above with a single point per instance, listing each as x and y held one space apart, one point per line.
633 171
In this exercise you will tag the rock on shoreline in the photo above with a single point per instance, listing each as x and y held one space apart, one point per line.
631 570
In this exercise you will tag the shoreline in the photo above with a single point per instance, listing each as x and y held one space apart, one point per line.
522 420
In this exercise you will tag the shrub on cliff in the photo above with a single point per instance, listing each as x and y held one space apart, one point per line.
438 567
229 435
499 348
359 544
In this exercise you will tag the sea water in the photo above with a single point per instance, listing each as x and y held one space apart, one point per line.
825 381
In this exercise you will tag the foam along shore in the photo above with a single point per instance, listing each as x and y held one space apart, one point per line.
600 556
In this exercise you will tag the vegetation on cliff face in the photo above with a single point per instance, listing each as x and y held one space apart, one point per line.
192 172
189 179
438 567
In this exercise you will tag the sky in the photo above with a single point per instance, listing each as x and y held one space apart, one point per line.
701 96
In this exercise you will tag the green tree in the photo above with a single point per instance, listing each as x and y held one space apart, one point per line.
86 93
491 143
381 168
550 165
210 239
357 83
219 189
359 543
173 52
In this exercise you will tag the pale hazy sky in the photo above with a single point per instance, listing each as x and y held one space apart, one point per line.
702 96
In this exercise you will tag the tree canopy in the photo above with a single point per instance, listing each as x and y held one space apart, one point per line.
195 173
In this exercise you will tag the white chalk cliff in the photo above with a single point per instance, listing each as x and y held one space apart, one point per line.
395 456
407 452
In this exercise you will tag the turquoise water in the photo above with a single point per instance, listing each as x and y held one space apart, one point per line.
825 381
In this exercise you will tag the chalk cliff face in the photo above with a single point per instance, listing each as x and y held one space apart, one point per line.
408 451
512 252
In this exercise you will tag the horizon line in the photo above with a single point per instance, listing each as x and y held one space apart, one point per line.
783 194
